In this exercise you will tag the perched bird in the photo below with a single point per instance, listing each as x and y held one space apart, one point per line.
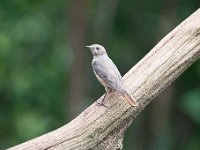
107 73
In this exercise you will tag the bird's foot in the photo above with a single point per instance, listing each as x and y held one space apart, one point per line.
101 104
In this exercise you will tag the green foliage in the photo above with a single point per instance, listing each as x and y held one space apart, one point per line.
191 104
33 58
31 122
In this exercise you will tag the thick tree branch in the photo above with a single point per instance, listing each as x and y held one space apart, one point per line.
103 128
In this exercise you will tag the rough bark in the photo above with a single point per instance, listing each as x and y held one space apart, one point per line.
100 127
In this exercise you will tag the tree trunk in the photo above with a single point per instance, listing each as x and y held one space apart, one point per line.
99 127
77 38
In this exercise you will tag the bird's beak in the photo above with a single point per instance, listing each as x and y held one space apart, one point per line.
88 46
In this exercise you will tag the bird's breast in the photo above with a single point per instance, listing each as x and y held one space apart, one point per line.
94 62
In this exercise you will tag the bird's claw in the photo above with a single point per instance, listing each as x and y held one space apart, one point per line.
102 104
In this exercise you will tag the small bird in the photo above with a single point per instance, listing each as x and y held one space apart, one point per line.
108 74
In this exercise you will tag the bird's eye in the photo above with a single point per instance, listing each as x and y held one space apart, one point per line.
97 48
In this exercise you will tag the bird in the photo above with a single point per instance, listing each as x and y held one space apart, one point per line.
108 74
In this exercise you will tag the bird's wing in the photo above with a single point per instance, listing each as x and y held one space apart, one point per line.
108 72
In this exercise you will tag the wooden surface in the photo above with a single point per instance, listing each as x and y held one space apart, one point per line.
103 128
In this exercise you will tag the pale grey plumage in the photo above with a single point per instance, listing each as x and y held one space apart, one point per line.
107 73
105 69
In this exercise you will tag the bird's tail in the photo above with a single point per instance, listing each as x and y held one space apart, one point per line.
130 100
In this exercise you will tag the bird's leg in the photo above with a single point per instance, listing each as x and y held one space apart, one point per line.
108 90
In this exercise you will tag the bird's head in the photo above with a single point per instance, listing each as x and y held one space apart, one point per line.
97 50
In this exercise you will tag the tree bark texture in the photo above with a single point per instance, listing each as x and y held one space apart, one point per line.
100 127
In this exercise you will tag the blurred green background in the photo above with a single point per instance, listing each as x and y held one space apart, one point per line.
46 78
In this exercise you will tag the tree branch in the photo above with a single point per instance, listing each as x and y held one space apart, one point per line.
103 128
